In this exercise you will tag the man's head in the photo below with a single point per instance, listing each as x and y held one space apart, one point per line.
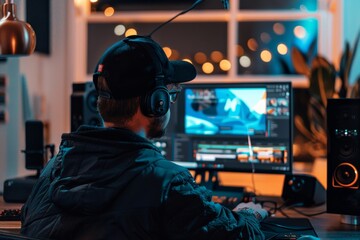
135 71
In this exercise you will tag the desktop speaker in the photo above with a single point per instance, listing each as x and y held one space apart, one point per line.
17 190
83 106
343 156
302 189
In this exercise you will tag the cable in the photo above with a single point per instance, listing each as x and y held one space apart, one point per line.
181 13
251 155
307 214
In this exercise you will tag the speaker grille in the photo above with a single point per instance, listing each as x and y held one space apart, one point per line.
343 123
83 106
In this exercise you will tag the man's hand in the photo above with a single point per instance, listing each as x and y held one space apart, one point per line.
253 208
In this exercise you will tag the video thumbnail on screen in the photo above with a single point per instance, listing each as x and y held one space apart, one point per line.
210 111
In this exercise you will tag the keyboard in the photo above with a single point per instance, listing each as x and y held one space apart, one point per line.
229 197
276 228
10 215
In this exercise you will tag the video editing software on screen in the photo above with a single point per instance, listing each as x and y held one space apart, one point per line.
232 127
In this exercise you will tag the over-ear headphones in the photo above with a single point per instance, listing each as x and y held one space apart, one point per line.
156 101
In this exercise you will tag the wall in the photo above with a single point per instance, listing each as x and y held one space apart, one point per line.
11 130
48 93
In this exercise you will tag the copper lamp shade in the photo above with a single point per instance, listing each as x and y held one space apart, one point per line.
16 37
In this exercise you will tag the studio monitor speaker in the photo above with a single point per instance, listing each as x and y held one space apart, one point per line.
83 106
343 156
302 189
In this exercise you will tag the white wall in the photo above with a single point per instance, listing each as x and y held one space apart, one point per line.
49 93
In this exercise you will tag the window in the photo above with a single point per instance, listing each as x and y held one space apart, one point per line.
250 41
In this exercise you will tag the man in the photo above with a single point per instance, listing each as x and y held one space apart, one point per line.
111 182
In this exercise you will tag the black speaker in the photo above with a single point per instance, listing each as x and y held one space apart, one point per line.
34 145
83 106
17 190
343 156
302 189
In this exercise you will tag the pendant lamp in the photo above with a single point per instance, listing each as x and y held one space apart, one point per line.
17 38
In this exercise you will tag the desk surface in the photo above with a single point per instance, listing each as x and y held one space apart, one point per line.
327 226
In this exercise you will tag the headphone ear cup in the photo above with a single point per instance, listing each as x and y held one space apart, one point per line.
156 103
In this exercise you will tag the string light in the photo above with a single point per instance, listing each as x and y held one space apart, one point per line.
245 61
225 65
200 57
266 55
109 11
167 51
130 32
282 49
119 30
208 68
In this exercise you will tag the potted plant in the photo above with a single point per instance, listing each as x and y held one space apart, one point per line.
325 82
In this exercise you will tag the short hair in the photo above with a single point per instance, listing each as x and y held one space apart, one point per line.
113 110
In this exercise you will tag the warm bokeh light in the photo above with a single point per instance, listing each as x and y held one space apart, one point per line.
175 55
266 55
300 32
93 1
282 49
187 60
109 11
216 56
265 37
200 57
279 28
167 51
119 30
252 44
240 50
225 65
245 61
130 32
208 68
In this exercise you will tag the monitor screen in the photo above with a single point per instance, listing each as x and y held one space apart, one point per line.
241 127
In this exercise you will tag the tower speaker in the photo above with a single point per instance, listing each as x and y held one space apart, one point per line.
83 106
343 154
302 189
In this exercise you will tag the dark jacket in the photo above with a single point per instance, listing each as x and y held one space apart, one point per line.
110 183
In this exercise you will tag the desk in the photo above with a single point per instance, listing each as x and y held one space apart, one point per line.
10 226
327 226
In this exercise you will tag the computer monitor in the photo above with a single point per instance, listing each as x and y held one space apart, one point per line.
237 127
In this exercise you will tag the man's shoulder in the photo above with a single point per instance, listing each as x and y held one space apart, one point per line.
169 165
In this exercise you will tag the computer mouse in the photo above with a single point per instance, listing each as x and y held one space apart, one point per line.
307 237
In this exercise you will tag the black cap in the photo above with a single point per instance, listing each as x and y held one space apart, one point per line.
136 64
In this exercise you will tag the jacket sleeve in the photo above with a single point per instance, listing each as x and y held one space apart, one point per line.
190 214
